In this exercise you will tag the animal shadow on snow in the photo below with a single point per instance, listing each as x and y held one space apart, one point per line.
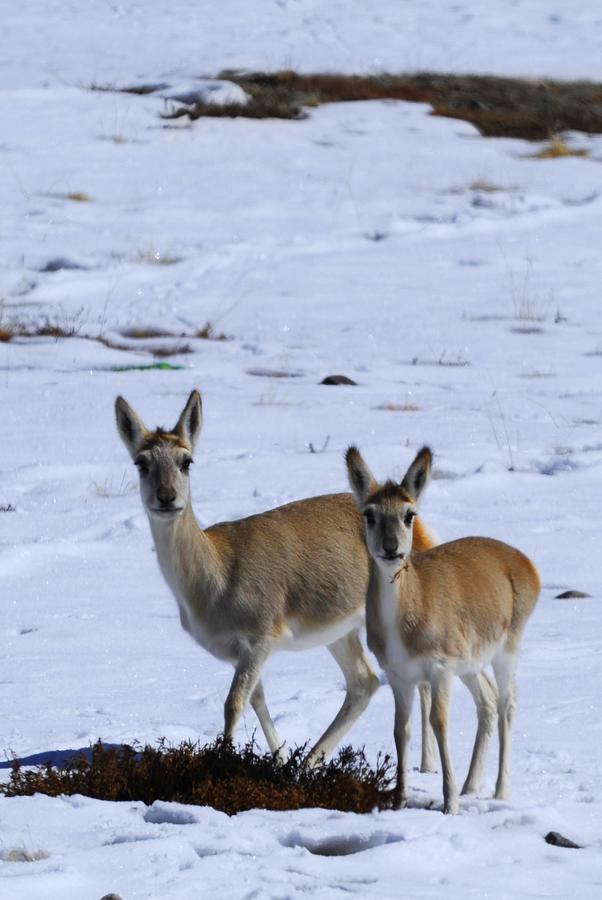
57 758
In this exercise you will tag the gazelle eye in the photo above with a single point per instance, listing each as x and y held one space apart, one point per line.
370 518
141 465
409 517
186 463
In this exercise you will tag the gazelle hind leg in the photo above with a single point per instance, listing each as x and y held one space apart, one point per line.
265 720
441 689
361 683
504 667
428 757
485 698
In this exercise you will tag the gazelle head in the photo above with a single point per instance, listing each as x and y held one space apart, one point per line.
388 509
162 458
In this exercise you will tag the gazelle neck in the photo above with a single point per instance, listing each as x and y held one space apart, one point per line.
186 555
393 588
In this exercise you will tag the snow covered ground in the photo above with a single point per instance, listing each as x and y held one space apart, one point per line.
108 40
455 278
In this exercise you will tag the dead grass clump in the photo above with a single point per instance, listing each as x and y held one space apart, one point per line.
155 257
160 351
44 328
74 196
526 329
214 775
399 407
208 333
557 149
7 507
457 361
73 328
485 187
56 330
528 309
23 855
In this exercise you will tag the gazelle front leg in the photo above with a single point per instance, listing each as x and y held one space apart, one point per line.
403 693
441 684
265 720
244 686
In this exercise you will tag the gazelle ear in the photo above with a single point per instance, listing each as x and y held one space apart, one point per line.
130 426
361 479
418 475
189 424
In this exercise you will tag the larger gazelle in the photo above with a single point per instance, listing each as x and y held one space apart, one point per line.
290 578
451 610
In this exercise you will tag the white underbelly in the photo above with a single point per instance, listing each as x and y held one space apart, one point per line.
402 665
300 636
296 636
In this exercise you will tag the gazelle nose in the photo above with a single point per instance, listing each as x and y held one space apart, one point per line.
166 496
390 545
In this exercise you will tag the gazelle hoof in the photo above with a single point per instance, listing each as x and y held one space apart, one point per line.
451 808
313 760
399 802
280 756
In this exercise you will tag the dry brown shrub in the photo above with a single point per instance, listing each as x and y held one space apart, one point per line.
503 107
216 775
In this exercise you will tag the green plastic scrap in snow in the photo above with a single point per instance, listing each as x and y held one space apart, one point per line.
162 366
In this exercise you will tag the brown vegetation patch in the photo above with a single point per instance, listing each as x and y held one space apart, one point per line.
143 333
532 109
214 775
44 328
206 333
259 107
73 328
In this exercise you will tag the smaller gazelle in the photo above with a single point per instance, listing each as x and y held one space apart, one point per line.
450 610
